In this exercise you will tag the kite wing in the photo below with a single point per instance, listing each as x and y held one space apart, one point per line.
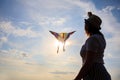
54 33
62 37
68 35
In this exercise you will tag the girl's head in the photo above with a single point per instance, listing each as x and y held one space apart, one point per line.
92 24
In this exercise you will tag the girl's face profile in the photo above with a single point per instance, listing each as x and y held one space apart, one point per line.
86 29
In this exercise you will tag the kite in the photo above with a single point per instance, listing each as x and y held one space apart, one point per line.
61 37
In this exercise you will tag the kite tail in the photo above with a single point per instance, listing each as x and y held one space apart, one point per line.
64 46
57 49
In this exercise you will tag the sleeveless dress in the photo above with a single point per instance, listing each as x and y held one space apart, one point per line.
95 43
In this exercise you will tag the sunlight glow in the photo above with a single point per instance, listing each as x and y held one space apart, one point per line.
60 44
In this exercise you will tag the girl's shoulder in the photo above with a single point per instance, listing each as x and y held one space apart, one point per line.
96 36
97 39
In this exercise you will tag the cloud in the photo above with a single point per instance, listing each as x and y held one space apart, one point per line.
23 68
25 23
118 8
8 28
27 33
84 6
46 10
62 72
108 8
115 72
3 40
50 21
13 53
46 5
48 13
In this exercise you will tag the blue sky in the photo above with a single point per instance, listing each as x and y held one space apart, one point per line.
28 50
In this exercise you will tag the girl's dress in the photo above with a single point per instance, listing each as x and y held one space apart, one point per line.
95 43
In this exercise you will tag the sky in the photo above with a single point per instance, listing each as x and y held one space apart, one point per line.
28 50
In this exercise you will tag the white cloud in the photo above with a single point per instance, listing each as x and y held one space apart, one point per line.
49 21
27 33
118 8
46 4
115 73
85 6
3 40
47 13
27 69
6 27
62 72
108 8
60 21
13 53
9 28
25 23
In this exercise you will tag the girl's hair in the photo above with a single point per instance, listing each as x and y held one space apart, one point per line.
93 24
92 30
